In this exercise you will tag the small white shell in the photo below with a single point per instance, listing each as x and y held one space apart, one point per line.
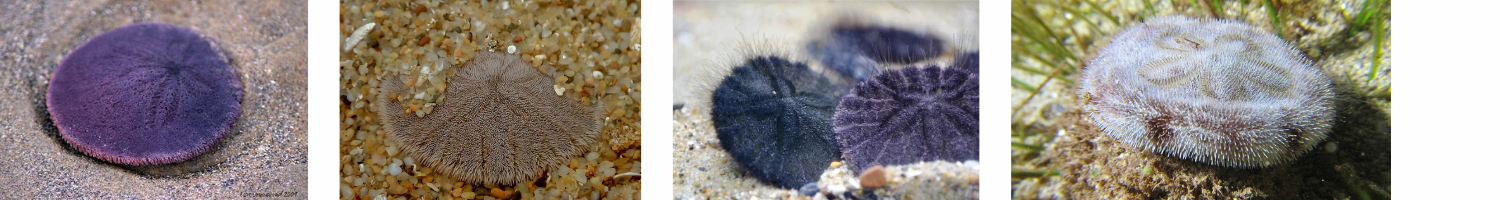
357 36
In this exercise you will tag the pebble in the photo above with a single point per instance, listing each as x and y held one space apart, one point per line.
393 169
872 178
500 194
837 190
810 189
912 173
396 189
1331 147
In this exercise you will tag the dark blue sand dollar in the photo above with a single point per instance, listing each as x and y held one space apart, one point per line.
967 62
844 58
910 115
772 116
856 51
892 45
145 94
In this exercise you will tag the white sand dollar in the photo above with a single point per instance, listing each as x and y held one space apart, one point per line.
1213 91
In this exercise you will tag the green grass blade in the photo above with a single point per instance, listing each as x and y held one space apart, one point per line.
1102 11
1024 173
1026 146
1023 85
1378 30
1275 18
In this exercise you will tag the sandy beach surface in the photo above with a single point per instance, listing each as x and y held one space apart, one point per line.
264 155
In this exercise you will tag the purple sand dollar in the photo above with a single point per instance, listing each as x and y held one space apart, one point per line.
910 115
145 94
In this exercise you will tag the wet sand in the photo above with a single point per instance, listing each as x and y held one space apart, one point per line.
264 155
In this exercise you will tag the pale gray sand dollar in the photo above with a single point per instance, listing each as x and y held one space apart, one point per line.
1213 91
501 122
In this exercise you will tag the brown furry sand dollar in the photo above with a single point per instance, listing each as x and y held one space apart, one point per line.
501 123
